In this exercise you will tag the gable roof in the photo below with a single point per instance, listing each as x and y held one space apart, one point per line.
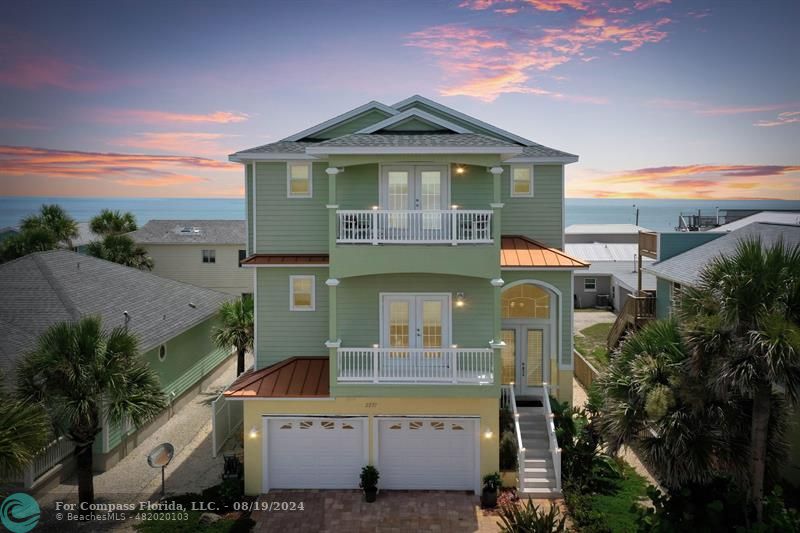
296 377
413 113
431 142
517 251
685 268
417 108
43 288
353 113
191 232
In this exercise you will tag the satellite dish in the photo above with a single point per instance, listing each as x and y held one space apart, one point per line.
160 457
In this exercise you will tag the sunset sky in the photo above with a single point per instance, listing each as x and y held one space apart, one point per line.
660 98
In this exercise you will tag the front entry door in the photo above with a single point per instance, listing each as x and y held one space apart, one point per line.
524 358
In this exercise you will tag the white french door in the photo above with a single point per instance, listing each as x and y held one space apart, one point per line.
524 358
410 188
412 321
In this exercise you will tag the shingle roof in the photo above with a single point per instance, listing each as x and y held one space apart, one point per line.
685 268
296 377
280 147
191 232
41 289
521 252
539 150
422 140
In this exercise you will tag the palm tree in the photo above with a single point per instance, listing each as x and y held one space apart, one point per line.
25 430
742 323
110 222
236 328
56 220
121 249
37 239
79 373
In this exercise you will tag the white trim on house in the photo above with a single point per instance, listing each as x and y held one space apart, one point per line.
255 221
270 156
313 306
502 151
554 159
344 117
531 181
247 220
255 319
466 118
414 113
310 167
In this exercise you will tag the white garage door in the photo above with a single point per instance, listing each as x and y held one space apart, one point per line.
314 453
435 454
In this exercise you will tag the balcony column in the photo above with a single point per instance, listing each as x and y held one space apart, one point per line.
497 324
334 342
496 205
332 206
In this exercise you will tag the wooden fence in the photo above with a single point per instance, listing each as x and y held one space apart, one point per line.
585 373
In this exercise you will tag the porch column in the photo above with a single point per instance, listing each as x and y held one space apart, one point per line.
333 342
332 206
497 340
496 205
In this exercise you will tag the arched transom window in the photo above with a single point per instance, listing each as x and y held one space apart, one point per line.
526 301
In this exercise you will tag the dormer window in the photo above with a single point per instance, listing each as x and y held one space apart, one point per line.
298 180
522 181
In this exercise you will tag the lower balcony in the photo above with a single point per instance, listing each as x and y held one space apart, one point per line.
448 226
474 366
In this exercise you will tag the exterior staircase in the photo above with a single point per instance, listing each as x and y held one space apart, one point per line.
538 474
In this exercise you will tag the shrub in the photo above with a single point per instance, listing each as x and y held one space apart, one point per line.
508 451
530 519
369 477
492 481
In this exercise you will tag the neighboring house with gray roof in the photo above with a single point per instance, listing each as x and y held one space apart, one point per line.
172 320
611 276
684 269
205 253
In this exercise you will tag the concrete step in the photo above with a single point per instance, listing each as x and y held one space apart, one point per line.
537 453
538 471
542 462
541 492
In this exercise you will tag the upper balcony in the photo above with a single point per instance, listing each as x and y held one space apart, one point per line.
377 226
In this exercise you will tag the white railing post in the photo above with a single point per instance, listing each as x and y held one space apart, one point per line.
454 226
375 360
374 227
454 364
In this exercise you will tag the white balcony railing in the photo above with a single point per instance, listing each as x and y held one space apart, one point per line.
377 226
415 365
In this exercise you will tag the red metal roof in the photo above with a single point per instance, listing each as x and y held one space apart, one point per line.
296 377
521 252
283 259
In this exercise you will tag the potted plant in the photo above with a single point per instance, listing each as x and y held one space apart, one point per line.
369 482
491 483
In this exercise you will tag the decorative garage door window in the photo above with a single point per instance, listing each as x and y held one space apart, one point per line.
316 424
432 425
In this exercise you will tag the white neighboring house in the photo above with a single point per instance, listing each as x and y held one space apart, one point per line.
606 233
205 253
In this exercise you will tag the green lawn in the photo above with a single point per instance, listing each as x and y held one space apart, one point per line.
616 507
593 343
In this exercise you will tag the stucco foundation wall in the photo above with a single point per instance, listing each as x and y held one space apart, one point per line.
487 409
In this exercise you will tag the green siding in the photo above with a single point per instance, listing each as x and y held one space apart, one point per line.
355 124
674 243
190 356
540 217
472 189
283 333
480 260
562 280
248 182
663 298
357 187
290 225
358 306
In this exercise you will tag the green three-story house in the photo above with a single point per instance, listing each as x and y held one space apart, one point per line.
409 282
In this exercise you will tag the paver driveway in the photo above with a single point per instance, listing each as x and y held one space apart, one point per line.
343 511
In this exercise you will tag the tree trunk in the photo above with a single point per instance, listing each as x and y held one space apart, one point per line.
85 473
240 362
758 445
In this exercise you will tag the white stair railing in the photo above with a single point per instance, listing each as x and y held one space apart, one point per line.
555 451
508 392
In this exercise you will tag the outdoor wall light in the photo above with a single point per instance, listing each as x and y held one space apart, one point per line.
253 432
454 346
454 206
375 207
376 346
460 299
460 169
488 433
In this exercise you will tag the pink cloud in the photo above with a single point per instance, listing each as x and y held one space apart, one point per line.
138 170
647 4
177 142
557 5
149 116
787 117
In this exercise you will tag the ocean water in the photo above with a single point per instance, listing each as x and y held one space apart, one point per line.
659 215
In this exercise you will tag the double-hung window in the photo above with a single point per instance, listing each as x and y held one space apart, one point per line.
522 181
301 293
590 284
298 180
209 256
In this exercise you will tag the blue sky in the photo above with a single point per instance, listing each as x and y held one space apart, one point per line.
659 98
